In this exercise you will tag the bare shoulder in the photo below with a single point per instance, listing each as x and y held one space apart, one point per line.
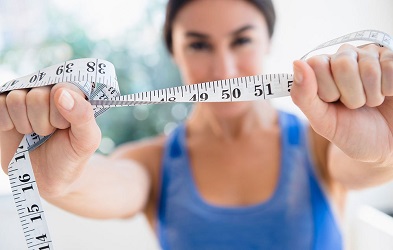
147 152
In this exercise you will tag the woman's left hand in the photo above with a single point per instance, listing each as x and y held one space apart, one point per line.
348 99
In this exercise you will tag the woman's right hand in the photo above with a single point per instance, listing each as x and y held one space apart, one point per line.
59 162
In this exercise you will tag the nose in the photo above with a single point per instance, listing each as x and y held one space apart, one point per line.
224 65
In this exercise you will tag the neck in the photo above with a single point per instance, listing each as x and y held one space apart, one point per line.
209 119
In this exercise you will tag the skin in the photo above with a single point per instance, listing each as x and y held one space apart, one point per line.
347 98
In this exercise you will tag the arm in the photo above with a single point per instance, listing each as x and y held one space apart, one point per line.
67 172
335 167
353 174
107 188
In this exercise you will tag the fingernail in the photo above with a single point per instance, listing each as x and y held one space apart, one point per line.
66 101
298 74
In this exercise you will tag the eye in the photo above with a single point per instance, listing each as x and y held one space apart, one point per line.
199 46
241 41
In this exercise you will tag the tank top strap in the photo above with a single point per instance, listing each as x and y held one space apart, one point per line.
174 157
292 129
324 215
293 141
172 172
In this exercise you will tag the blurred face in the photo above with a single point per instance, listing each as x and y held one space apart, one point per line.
219 39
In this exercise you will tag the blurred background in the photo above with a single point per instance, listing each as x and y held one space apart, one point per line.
128 33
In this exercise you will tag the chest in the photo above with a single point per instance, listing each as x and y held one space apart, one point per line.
236 173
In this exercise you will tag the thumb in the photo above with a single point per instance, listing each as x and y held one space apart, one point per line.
304 94
84 131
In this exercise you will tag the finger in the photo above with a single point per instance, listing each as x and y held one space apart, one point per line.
304 94
5 119
386 60
84 132
9 143
327 89
370 73
346 75
16 105
56 119
37 101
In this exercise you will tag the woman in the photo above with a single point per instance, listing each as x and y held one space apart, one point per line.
234 175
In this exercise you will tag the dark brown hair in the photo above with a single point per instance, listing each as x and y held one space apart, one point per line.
174 6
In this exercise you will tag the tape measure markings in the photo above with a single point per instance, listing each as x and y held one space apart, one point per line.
375 36
98 81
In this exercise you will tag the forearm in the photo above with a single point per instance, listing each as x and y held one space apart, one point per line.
107 188
354 174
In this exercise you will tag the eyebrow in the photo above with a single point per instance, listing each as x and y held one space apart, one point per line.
196 34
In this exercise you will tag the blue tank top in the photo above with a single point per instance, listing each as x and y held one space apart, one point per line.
296 216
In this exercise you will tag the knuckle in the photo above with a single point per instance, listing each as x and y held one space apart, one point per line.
387 75
386 55
16 99
354 103
5 121
387 89
329 97
16 106
57 120
44 130
387 66
371 72
375 102
56 87
318 62
370 47
60 123
26 129
344 62
346 47
37 97
68 86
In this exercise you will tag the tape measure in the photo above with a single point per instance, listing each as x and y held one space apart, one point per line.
97 79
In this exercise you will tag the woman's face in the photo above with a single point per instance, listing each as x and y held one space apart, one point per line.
219 39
